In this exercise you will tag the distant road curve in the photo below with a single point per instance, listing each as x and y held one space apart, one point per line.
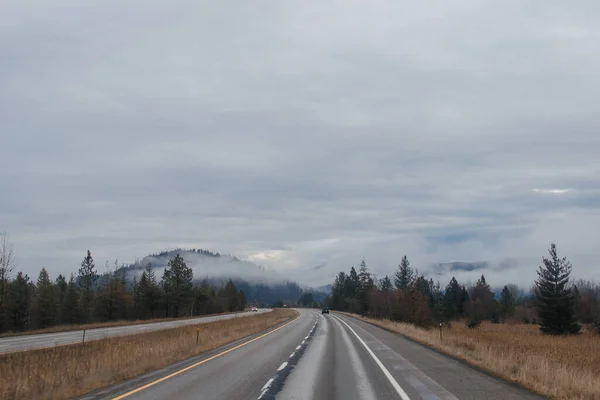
29 342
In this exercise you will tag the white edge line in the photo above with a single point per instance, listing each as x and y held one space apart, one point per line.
387 374
282 366
268 384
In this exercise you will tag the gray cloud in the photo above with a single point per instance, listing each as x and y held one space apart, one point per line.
297 134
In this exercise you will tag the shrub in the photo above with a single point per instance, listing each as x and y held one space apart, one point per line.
474 323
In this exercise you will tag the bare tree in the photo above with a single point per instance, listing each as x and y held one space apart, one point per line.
7 265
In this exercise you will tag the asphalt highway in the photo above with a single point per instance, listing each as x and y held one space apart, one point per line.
28 342
319 357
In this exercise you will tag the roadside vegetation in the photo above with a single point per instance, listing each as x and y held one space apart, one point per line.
115 297
69 371
559 367
547 339
97 325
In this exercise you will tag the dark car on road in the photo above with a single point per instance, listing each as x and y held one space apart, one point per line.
325 311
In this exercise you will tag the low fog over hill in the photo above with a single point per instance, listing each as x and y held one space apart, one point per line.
207 264
260 285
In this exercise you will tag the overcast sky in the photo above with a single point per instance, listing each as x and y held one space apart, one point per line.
302 135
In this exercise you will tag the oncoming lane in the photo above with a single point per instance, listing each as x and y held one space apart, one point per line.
44 340
239 371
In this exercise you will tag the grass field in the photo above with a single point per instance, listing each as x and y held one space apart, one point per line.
556 367
69 371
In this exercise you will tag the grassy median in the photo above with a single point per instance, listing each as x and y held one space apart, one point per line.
73 370
565 367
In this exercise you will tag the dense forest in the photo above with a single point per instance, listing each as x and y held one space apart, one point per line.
89 296
553 302
130 292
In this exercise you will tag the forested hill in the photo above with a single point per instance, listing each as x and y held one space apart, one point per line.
207 264
260 285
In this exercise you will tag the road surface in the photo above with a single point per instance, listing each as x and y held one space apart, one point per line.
318 357
28 342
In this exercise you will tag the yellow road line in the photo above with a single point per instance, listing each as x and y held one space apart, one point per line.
202 362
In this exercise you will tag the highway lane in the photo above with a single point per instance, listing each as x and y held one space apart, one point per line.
350 359
28 342
318 357
235 372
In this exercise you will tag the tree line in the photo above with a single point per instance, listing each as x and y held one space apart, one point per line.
553 302
89 296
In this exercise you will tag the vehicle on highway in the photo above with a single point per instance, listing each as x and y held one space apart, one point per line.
254 308
325 310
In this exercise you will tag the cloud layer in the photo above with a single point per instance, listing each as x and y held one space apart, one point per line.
297 134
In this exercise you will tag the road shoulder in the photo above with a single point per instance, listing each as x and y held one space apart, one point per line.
453 373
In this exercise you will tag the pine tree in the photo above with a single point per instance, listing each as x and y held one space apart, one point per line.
437 301
71 311
241 301
507 303
556 300
353 284
60 287
149 292
452 299
338 292
365 286
178 280
464 298
229 296
482 304
404 274
19 301
112 296
46 304
386 284
87 279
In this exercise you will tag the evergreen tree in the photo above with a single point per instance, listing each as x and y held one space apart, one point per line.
404 274
507 303
229 296
365 286
338 292
241 301
452 299
148 292
71 311
60 287
353 285
45 300
7 265
437 302
423 285
386 284
556 300
178 278
464 298
482 305
87 279
110 299
166 287
19 301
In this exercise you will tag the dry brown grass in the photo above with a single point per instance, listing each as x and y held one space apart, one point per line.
556 367
111 324
68 371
